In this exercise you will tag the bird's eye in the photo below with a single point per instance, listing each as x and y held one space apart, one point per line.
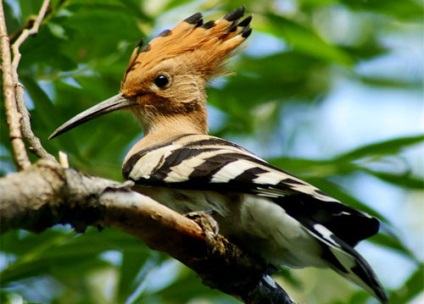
161 81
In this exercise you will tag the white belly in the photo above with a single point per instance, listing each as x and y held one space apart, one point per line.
253 222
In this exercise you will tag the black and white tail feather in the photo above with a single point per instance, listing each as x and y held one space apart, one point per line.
288 221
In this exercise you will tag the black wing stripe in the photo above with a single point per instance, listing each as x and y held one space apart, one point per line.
294 181
131 162
180 155
207 169
248 176
211 141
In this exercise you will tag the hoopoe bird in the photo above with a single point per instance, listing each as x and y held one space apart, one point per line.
263 209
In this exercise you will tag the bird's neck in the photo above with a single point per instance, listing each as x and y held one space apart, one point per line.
164 127
167 126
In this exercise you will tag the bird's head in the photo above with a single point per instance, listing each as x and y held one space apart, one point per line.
166 78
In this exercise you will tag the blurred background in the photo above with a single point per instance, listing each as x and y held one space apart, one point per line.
329 90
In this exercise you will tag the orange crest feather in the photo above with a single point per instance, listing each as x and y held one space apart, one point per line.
204 45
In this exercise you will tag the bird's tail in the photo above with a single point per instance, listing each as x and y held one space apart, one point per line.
346 261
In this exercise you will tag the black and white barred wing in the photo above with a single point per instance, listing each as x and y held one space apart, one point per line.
201 162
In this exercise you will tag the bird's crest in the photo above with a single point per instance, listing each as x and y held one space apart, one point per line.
205 46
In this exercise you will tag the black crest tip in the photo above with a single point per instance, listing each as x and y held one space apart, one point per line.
246 21
140 43
164 33
246 32
235 14
208 25
195 19
233 27
144 49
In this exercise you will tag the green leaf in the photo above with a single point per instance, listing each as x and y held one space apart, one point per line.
400 180
132 264
391 146
304 40
392 82
405 9
312 168
390 240
59 250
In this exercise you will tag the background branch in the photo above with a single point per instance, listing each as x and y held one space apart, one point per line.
34 142
13 116
64 196
18 117
24 35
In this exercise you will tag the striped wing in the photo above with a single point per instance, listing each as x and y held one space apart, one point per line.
201 162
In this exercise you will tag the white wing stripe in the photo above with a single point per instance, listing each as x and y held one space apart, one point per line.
146 164
269 178
181 172
232 170
326 234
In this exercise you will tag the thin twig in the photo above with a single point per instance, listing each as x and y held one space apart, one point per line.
25 123
34 142
25 34
12 114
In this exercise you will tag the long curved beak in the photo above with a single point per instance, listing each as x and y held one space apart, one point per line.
114 103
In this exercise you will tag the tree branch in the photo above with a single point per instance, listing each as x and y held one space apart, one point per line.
56 195
13 116
18 117
34 141
24 35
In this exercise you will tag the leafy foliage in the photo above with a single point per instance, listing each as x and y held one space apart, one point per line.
299 52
